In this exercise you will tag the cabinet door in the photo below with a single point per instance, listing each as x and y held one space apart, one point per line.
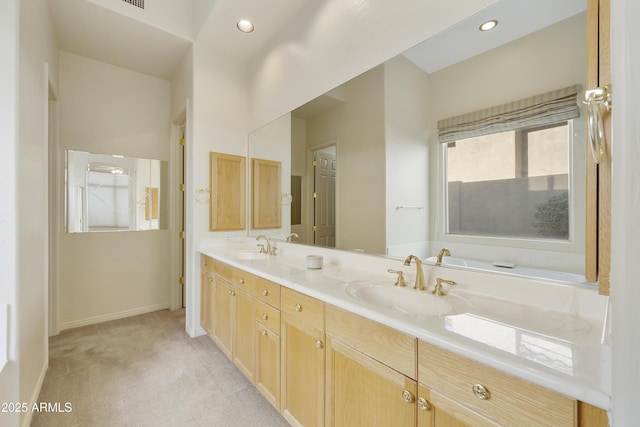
224 294
227 176
244 333
267 373
206 303
302 370
363 392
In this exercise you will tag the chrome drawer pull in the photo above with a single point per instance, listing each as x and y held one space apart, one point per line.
318 344
265 293
265 316
298 307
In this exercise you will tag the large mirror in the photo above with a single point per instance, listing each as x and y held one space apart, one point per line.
106 192
363 166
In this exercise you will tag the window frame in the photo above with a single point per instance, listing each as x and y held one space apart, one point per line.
569 252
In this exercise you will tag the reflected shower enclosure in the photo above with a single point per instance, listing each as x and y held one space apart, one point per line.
106 192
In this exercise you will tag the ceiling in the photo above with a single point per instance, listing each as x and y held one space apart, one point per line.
115 36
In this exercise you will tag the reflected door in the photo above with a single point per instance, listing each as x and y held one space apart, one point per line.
324 197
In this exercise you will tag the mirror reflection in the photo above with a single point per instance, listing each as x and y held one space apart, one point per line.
114 193
385 189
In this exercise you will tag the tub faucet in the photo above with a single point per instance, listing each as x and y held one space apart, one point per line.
443 252
270 251
419 274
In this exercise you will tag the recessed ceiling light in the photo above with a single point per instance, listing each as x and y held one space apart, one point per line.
489 25
245 25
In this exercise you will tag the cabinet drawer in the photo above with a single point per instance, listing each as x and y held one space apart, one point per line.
268 316
221 269
206 264
509 400
303 307
268 291
393 348
243 280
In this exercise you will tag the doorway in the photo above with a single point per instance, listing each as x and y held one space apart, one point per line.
324 196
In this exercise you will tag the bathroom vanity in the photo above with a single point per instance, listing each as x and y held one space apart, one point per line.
343 346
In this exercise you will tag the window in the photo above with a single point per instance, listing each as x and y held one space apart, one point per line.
510 184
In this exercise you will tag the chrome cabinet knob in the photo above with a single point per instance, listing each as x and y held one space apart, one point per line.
265 316
298 307
318 344
241 281
264 332
265 293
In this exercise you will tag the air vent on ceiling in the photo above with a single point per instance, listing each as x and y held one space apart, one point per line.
138 3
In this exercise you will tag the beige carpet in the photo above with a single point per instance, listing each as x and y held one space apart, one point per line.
146 371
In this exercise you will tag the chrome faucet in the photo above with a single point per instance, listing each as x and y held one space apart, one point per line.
269 250
419 273
443 252
291 236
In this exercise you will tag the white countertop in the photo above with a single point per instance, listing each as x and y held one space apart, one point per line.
544 333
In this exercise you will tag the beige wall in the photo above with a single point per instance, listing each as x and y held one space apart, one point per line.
358 127
111 110
406 95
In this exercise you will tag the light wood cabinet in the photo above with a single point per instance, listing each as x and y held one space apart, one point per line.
267 339
302 359
244 333
371 372
227 181
361 391
233 321
206 295
598 176
470 391
266 194
323 366
267 374
223 313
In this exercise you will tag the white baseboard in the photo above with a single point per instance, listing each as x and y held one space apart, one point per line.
111 316
26 421
198 331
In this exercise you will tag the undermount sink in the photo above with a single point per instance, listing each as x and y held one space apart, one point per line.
249 255
384 295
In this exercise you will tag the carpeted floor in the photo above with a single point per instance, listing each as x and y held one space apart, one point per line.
146 371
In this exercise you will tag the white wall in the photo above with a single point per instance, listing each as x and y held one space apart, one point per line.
169 15
110 110
306 63
220 124
9 56
406 94
38 69
625 211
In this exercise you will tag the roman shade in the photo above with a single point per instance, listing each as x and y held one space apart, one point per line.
544 109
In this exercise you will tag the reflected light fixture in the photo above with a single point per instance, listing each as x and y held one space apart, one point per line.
245 26
489 25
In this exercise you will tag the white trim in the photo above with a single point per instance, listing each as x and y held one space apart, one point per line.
112 316
26 421
197 332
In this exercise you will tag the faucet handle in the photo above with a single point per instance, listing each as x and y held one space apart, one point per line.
400 281
438 290
262 249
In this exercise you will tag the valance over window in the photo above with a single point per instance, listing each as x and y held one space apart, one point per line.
544 109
